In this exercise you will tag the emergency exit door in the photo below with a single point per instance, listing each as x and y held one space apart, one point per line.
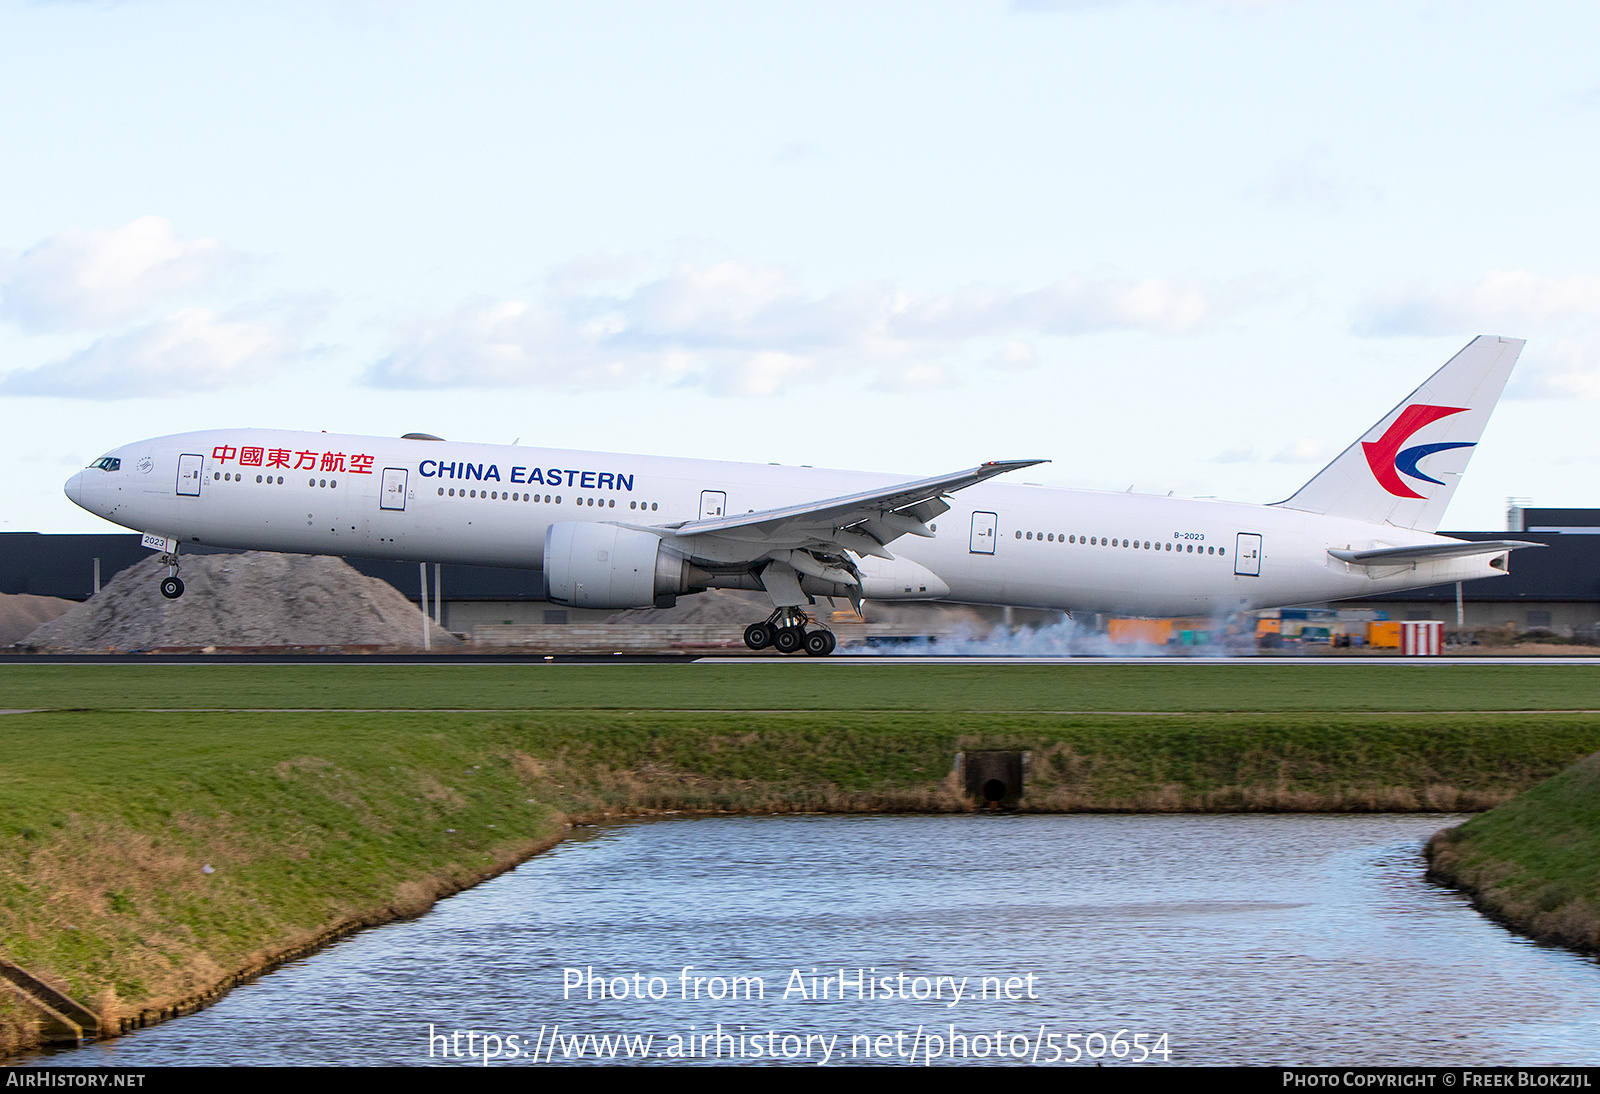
394 489
190 468
1247 555
713 503
983 526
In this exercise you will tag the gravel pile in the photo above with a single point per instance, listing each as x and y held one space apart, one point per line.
252 599
20 613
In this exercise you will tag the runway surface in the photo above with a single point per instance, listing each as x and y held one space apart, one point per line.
690 659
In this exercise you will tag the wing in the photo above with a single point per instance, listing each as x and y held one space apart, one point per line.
1398 556
883 514
817 538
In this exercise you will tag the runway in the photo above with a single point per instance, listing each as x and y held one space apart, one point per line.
743 659
838 659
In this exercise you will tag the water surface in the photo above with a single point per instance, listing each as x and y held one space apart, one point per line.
1243 938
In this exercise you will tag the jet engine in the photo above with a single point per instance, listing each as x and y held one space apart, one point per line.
604 566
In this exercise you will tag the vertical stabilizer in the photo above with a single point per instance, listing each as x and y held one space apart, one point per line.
1404 470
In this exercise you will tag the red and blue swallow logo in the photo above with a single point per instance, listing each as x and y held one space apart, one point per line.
1386 458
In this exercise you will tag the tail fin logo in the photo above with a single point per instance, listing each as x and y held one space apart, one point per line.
1388 461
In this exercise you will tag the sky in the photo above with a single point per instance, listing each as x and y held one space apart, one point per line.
1188 246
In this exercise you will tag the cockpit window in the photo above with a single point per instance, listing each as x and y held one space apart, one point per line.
107 463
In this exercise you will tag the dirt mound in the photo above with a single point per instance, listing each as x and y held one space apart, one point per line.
253 599
20 613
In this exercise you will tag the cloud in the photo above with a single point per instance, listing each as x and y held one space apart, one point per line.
1305 450
1086 5
92 280
1560 317
1505 299
1014 356
194 349
736 328
1309 180
797 152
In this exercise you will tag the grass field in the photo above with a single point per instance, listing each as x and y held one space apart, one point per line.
1535 861
1075 686
328 796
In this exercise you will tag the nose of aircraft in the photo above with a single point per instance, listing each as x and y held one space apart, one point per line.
74 488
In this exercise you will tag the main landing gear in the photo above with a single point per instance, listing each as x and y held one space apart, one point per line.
172 584
785 631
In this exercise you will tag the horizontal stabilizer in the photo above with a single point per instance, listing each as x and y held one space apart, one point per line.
1427 552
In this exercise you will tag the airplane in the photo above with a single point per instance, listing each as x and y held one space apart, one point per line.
631 531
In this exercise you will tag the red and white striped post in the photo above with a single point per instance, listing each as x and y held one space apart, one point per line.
1421 638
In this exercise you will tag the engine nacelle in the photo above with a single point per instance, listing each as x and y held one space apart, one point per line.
604 566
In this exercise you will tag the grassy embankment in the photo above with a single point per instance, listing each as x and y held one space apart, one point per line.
133 778
1534 862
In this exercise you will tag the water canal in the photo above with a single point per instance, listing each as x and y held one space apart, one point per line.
1209 939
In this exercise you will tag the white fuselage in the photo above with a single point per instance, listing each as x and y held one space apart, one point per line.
1074 550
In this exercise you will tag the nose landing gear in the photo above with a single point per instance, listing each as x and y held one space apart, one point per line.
172 584
785 631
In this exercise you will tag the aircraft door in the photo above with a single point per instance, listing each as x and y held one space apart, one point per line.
1247 555
983 526
713 503
190 468
394 489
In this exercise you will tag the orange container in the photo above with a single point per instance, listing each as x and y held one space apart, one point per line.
1150 632
1384 634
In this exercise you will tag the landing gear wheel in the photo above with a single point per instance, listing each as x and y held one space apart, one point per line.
820 643
789 639
172 587
758 636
